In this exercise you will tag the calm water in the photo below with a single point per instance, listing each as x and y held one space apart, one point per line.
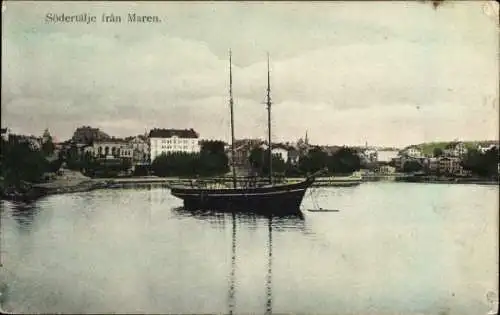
391 249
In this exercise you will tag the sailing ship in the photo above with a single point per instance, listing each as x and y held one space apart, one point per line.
271 198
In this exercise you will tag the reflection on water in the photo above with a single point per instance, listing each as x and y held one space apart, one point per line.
24 214
269 282
138 251
233 267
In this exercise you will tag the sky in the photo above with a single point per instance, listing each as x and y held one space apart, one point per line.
385 73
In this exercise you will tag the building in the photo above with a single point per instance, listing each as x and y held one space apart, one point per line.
242 150
386 156
46 136
293 156
278 150
141 149
455 149
431 165
387 169
449 165
5 134
87 134
112 148
173 140
485 148
303 146
411 151
369 156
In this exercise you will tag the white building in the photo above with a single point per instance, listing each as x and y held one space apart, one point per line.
386 155
485 148
277 150
455 149
173 140
117 148
5 134
412 151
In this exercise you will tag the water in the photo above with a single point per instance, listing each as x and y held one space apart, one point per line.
393 248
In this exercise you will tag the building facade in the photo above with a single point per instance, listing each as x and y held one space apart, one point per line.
165 141
412 151
113 148
278 150
141 149
449 165
455 149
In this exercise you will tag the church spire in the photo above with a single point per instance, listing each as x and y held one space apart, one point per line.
306 140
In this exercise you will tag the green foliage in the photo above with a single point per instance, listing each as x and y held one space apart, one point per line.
104 167
437 151
482 164
72 158
22 163
259 160
211 160
54 166
344 161
315 160
412 166
48 147
428 147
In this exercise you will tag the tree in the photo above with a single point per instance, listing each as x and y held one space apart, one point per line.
437 152
178 164
22 163
482 164
344 161
212 159
256 159
412 166
72 158
48 147
314 161
259 160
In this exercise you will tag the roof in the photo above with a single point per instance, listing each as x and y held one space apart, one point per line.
110 140
141 137
4 130
169 133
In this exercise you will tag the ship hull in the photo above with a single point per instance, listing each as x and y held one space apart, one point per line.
280 199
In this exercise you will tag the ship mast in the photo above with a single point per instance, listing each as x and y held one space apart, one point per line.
269 122
231 103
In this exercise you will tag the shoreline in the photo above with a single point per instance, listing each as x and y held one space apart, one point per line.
39 191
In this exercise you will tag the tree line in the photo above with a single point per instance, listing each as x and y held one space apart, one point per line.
345 161
482 164
20 162
210 161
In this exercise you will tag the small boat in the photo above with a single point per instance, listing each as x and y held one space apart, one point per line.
284 198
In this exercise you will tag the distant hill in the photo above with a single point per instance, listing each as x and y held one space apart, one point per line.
428 147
